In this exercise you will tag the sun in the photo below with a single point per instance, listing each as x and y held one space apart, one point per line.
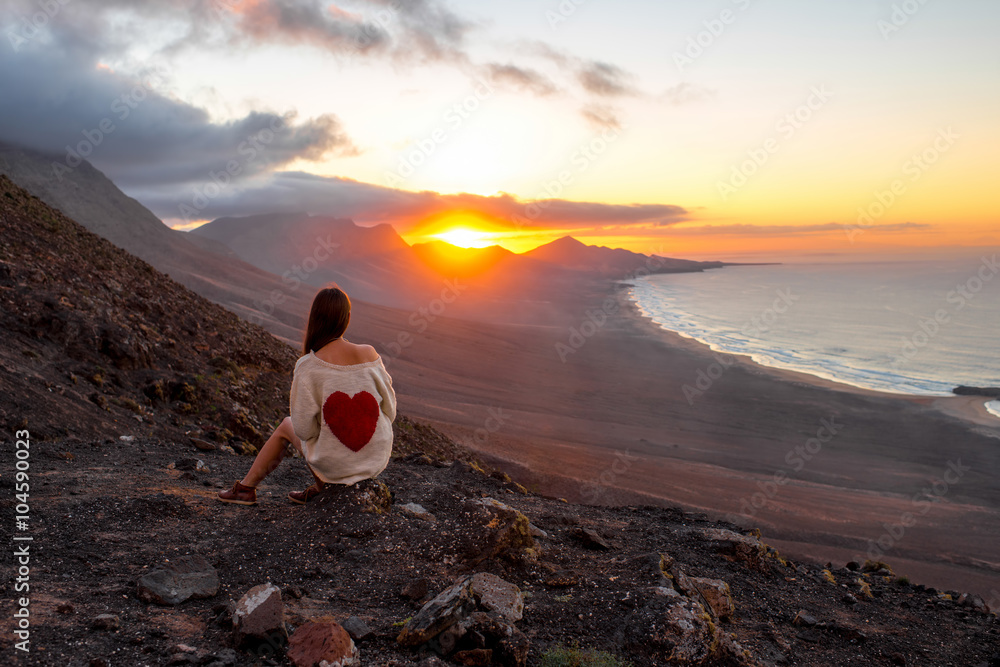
463 237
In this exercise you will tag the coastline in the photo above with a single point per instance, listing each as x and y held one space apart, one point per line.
969 408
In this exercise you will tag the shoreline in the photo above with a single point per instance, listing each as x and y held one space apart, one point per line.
969 408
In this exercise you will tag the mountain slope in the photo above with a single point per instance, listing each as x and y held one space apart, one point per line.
205 266
370 263
98 343
611 262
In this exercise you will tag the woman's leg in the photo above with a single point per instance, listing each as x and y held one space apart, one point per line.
272 452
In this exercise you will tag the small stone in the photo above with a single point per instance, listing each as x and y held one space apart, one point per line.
259 616
325 643
802 618
562 579
105 622
537 532
591 539
357 628
418 511
203 445
187 577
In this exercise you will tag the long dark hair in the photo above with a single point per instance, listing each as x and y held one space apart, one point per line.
328 318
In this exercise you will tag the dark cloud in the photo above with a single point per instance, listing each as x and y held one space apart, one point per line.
520 78
407 29
367 203
65 104
604 79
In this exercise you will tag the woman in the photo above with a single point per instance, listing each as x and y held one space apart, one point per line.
342 408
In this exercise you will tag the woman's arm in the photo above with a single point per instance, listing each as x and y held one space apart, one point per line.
384 384
303 408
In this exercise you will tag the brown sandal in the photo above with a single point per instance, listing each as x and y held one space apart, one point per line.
239 495
302 497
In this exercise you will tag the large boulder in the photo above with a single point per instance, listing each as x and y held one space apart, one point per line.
185 578
678 630
472 619
259 617
716 596
327 644
448 608
737 547
494 529
494 594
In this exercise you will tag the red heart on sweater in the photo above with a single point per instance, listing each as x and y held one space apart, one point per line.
351 419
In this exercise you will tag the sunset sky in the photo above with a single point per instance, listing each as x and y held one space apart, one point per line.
729 130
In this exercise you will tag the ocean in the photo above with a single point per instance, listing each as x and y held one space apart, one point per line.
903 327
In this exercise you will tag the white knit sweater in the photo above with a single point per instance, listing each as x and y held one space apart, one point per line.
343 415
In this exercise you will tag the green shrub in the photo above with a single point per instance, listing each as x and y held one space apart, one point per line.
564 656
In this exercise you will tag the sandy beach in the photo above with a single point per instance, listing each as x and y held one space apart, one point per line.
827 471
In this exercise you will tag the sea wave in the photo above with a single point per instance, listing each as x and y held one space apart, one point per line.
806 343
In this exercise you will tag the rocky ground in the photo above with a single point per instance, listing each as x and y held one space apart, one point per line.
636 582
137 396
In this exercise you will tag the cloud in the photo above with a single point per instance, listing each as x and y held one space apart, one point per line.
368 203
604 79
65 102
520 78
601 116
787 230
407 30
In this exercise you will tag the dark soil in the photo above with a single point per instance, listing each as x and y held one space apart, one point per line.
104 513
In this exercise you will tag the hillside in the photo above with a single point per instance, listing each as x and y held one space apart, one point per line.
367 262
121 497
205 266
611 262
